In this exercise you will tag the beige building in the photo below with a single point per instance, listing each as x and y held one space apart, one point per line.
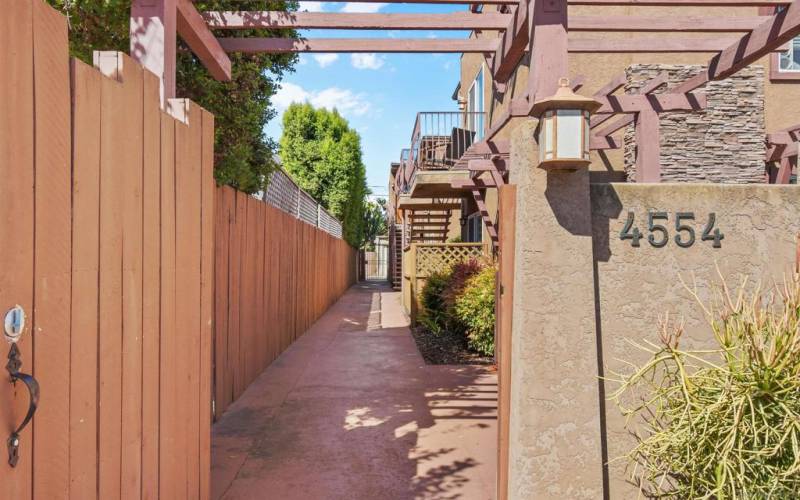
724 143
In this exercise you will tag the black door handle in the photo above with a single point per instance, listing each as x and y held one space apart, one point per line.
13 366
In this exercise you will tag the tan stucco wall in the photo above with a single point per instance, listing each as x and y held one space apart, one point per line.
636 286
554 427
782 98
580 292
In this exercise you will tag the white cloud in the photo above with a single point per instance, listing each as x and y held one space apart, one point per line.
367 61
346 101
325 59
311 6
363 7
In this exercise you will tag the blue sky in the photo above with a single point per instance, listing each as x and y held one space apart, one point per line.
379 94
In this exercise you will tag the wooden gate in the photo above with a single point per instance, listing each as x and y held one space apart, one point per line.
106 236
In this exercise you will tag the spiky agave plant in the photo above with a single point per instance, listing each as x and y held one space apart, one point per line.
723 423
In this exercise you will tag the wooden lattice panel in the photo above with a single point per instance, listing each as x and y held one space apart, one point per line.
433 258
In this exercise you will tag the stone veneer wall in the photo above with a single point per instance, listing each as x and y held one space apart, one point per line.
724 143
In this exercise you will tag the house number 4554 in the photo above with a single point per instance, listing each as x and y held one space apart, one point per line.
659 235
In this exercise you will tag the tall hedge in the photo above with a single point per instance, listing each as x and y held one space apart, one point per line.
323 154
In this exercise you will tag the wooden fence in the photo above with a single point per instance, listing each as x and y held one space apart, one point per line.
106 242
275 276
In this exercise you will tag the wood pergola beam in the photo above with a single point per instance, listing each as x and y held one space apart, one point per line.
441 2
785 136
377 45
784 174
638 45
597 142
684 3
355 21
767 37
619 82
631 103
193 29
655 24
513 43
477 194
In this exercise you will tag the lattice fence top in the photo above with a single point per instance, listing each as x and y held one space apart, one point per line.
329 224
283 193
435 258
307 209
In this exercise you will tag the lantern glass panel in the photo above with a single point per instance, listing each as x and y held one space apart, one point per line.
569 136
586 138
546 144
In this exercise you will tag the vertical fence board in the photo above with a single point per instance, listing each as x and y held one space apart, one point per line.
151 284
53 251
131 168
16 219
187 306
170 458
206 299
86 87
221 281
184 298
235 316
193 219
112 121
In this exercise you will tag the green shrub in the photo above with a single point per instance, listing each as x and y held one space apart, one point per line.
474 309
460 273
433 314
722 424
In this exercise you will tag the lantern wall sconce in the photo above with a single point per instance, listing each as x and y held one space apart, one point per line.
564 128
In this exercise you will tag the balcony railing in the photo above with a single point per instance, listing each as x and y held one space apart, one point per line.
440 138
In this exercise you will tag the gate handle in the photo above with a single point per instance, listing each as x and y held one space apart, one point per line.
13 366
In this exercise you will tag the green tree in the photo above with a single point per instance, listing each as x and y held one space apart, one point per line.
243 154
320 150
374 220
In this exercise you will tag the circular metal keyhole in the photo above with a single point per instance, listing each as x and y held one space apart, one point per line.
14 324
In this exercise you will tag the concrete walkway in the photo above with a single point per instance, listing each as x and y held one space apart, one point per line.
351 411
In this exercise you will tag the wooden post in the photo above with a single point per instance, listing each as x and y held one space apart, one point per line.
153 32
797 255
784 172
412 303
505 297
648 148
548 47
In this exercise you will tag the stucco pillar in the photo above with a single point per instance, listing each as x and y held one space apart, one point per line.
555 439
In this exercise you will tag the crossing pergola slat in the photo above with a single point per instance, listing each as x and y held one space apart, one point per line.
194 31
647 24
355 45
652 45
355 21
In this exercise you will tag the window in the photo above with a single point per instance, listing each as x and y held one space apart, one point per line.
789 61
475 106
474 228
784 66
